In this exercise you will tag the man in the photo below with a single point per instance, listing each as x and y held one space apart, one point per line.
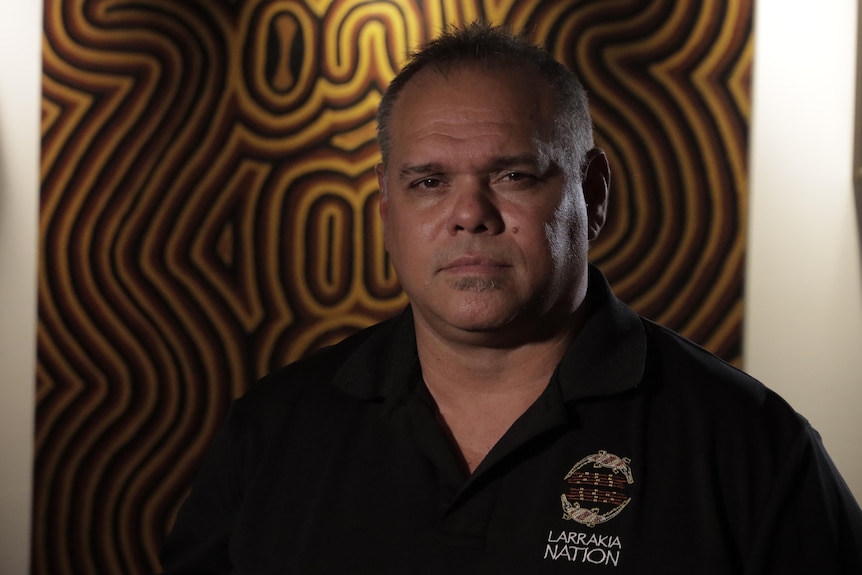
517 417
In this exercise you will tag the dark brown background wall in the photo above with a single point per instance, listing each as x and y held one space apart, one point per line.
209 205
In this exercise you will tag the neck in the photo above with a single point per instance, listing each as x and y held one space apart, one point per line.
469 369
483 363
481 389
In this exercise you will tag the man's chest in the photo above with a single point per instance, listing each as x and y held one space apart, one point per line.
389 498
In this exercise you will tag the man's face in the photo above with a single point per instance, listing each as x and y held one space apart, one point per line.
487 232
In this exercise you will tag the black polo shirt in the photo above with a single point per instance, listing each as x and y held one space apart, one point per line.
645 454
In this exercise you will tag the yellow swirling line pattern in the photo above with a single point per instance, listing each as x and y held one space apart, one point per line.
209 212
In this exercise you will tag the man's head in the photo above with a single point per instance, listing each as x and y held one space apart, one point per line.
491 190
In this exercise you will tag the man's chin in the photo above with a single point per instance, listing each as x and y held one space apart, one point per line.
475 284
482 322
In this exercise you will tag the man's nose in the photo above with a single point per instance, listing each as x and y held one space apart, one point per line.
474 210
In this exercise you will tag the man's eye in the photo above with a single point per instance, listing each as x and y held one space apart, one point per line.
519 177
426 183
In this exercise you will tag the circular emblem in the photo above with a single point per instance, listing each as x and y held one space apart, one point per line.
597 489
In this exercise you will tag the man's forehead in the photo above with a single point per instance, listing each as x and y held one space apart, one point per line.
494 115
450 72
479 97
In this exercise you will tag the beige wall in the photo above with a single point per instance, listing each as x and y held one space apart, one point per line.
20 65
803 316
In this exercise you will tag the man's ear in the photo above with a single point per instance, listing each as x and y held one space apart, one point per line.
596 181
383 204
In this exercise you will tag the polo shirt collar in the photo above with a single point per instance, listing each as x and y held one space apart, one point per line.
607 357
384 366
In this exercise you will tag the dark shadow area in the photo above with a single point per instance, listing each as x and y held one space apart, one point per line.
857 128
857 185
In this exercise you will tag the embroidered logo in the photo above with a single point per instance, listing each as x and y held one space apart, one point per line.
599 493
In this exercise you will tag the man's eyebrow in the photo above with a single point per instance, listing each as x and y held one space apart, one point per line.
408 170
497 163
503 162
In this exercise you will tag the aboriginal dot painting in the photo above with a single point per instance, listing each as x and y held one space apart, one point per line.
209 212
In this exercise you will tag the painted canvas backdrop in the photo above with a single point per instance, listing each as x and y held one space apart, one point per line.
209 212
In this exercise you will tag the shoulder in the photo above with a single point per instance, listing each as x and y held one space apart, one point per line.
697 385
752 453
358 369
672 356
